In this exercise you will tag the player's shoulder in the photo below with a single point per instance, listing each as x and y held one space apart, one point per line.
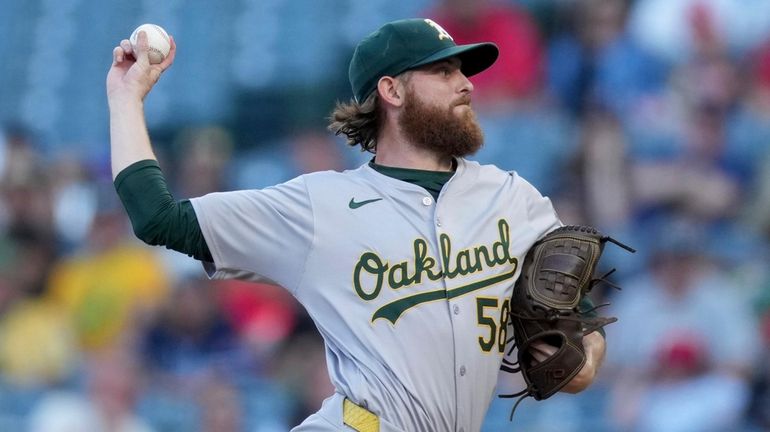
333 179
490 171
495 176
331 175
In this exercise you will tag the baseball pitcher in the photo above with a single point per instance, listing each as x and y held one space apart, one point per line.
406 264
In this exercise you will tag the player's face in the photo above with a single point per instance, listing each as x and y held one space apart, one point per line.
437 112
443 84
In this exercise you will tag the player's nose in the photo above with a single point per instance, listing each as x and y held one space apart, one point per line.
466 86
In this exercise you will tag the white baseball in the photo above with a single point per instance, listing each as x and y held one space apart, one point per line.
158 41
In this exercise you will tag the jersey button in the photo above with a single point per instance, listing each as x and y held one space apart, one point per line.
427 201
462 370
456 310
438 222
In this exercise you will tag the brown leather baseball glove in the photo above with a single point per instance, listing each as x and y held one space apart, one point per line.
557 273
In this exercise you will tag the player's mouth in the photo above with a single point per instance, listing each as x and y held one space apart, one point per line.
462 107
465 100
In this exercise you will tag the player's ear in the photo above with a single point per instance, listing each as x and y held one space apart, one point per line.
391 90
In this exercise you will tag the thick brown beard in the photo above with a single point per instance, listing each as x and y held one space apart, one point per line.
440 130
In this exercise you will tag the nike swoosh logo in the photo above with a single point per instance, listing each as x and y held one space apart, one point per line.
354 205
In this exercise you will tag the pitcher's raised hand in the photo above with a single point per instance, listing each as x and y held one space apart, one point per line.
131 75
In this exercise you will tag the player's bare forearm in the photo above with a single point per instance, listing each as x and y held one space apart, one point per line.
595 349
129 140
130 79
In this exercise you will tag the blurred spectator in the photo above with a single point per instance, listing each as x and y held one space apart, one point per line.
760 79
315 150
685 344
29 207
754 130
221 409
202 156
39 345
190 335
74 201
709 104
692 173
596 62
667 28
262 167
682 156
304 151
302 368
21 159
518 73
113 381
263 315
757 209
599 192
759 412
9 291
109 287
26 193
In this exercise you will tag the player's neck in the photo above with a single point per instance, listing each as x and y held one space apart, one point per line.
397 152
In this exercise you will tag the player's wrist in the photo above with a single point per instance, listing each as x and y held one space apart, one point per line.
122 99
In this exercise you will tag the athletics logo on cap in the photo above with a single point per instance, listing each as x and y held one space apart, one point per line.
441 32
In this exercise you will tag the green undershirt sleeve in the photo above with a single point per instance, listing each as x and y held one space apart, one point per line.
158 219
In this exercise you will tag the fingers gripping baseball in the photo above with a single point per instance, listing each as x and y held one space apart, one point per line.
132 74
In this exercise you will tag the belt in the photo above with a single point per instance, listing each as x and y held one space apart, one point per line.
358 418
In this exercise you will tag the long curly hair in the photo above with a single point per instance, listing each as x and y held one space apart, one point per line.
360 123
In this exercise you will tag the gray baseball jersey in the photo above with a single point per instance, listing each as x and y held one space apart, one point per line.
410 294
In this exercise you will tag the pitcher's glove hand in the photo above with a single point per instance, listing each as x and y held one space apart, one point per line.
557 273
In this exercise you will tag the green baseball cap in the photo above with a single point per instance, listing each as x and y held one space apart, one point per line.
406 44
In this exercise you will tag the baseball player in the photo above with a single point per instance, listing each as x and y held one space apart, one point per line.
406 264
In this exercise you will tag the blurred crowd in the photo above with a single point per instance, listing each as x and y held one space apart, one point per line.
649 119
